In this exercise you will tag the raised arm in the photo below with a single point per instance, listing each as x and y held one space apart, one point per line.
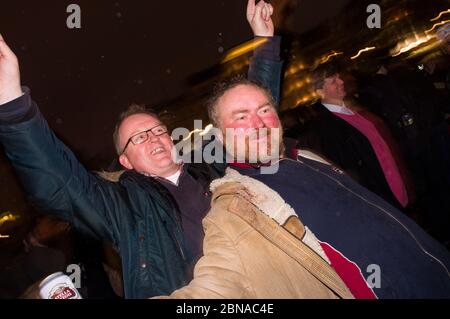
265 66
54 180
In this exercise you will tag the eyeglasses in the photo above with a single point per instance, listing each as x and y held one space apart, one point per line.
142 137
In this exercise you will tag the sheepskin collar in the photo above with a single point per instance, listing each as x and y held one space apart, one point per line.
262 196
266 200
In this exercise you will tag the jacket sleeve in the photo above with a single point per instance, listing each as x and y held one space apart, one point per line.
266 65
54 180
219 273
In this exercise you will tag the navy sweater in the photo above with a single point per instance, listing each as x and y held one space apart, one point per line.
363 227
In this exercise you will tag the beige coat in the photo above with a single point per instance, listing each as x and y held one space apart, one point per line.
247 254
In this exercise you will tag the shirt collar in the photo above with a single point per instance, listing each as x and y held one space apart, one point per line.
341 109
238 165
174 179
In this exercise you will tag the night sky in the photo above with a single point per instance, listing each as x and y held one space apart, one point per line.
125 51
145 52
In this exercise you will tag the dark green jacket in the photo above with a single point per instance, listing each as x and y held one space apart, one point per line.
135 213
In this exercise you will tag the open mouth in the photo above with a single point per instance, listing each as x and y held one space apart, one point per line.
157 150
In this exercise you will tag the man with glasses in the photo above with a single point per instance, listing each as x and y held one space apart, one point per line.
153 213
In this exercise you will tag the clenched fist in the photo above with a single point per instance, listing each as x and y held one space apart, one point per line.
259 16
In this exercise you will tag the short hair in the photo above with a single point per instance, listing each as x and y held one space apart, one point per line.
131 110
223 87
322 72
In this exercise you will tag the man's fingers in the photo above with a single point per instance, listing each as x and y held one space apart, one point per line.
261 3
270 9
265 13
4 48
1 42
251 8
258 10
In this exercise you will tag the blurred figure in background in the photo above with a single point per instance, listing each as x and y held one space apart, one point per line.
414 111
352 141
50 247
46 249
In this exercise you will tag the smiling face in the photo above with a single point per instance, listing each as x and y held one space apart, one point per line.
333 90
247 118
153 156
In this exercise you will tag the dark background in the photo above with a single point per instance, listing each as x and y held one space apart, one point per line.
125 51
161 53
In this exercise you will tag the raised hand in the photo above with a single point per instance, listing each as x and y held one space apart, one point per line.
259 16
9 74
